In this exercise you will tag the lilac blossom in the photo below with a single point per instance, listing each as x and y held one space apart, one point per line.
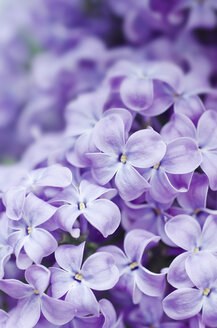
195 242
187 302
32 300
76 281
5 249
88 200
136 278
34 181
121 158
30 242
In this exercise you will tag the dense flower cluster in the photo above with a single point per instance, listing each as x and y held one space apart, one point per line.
108 174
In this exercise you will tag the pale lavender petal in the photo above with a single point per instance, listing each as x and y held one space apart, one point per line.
61 282
82 300
201 268
38 276
66 216
178 126
137 93
136 241
183 303
195 197
15 288
152 284
100 272
36 211
39 243
209 311
56 311
90 191
109 313
104 166
191 106
109 134
121 260
104 215
124 114
209 166
69 257
69 195
184 231
145 148
209 233
207 137
130 183
180 182
14 201
177 275
26 314
182 156
54 176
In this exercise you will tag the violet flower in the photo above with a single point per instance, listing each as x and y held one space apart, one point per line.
32 300
121 158
5 249
134 276
30 242
76 281
86 200
186 233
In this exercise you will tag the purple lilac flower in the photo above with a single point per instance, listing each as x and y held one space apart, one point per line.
76 281
122 158
32 300
187 302
5 249
29 241
186 233
88 200
134 276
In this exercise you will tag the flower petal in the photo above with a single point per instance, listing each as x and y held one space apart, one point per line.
53 176
130 183
38 244
207 138
56 311
104 215
109 134
177 275
121 260
209 166
82 300
69 257
145 148
183 303
61 282
37 211
182 156
14 201
38 276
152 284
201 268
15 288
209 233
209 311
100 272
136 241
184 231
137 93
90 191
66 216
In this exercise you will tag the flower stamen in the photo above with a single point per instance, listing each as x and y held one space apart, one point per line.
123 158
78 277
81 206
206 292
29 230
156 166
133 265
36 291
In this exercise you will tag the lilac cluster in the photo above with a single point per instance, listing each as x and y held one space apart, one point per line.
108 164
